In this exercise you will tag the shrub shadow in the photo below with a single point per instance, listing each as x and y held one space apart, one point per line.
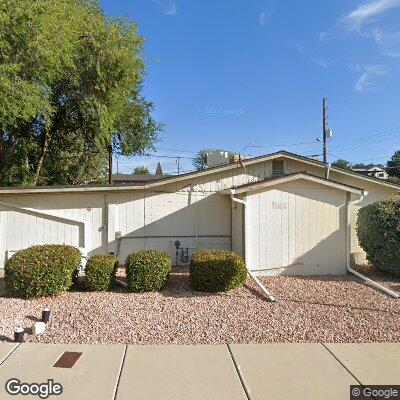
33 318
4 338
178 286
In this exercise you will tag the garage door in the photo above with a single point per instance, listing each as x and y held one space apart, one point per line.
297 228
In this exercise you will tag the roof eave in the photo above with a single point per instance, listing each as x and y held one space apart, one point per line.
190 175
289 178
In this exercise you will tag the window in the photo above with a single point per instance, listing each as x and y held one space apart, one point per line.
278 168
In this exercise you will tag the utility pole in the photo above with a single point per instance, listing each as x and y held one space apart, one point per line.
110 164
325 129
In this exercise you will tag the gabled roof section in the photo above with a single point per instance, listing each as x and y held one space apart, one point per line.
248 187
178 178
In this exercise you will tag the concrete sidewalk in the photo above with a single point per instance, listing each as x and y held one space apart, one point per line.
225 372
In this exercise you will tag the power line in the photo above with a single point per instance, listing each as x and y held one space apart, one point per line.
368 138
179 150
366 144
282 145
369 159
165 156
373 158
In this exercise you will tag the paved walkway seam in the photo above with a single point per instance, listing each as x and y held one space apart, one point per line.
120 373
237 368
9 354
338 360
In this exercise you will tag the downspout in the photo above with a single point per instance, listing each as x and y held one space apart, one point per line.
197 219
267 294
348 250
327 170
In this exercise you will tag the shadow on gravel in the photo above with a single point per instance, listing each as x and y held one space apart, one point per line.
4 338
3 291
334 305
178 286
33 318
254 292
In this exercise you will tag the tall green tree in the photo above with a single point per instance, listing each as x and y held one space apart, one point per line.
341 163
393 165
71 82
141 170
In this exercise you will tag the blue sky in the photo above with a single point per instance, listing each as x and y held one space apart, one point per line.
236 73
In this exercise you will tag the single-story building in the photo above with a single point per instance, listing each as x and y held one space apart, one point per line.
283 212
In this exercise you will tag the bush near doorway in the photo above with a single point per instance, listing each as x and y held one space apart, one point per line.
378 230
216 270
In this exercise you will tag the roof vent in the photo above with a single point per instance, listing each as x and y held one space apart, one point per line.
278 167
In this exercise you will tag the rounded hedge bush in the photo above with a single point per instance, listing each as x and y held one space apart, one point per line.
378 230
41 270
216 271
147 270
100 272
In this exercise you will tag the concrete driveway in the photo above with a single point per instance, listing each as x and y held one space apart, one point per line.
238 371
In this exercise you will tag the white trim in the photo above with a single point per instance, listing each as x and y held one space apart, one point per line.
289 178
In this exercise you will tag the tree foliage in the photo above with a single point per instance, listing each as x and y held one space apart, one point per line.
363 165
341 163
71 82
393 165
141 170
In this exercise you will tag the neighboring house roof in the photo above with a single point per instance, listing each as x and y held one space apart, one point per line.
372 169
164 180
251 186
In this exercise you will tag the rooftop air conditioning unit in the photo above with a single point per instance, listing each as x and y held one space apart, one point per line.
215 158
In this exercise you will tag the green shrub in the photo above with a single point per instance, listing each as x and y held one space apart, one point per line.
216 271
147 270
378 230
100 272
41 270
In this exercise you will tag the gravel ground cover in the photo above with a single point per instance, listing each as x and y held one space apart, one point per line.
308 309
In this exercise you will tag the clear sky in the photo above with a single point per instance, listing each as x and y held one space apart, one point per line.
232 73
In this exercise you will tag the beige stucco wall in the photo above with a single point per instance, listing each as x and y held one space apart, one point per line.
21 229
375 192
191 210
146 220
238 229
299 225
154 220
